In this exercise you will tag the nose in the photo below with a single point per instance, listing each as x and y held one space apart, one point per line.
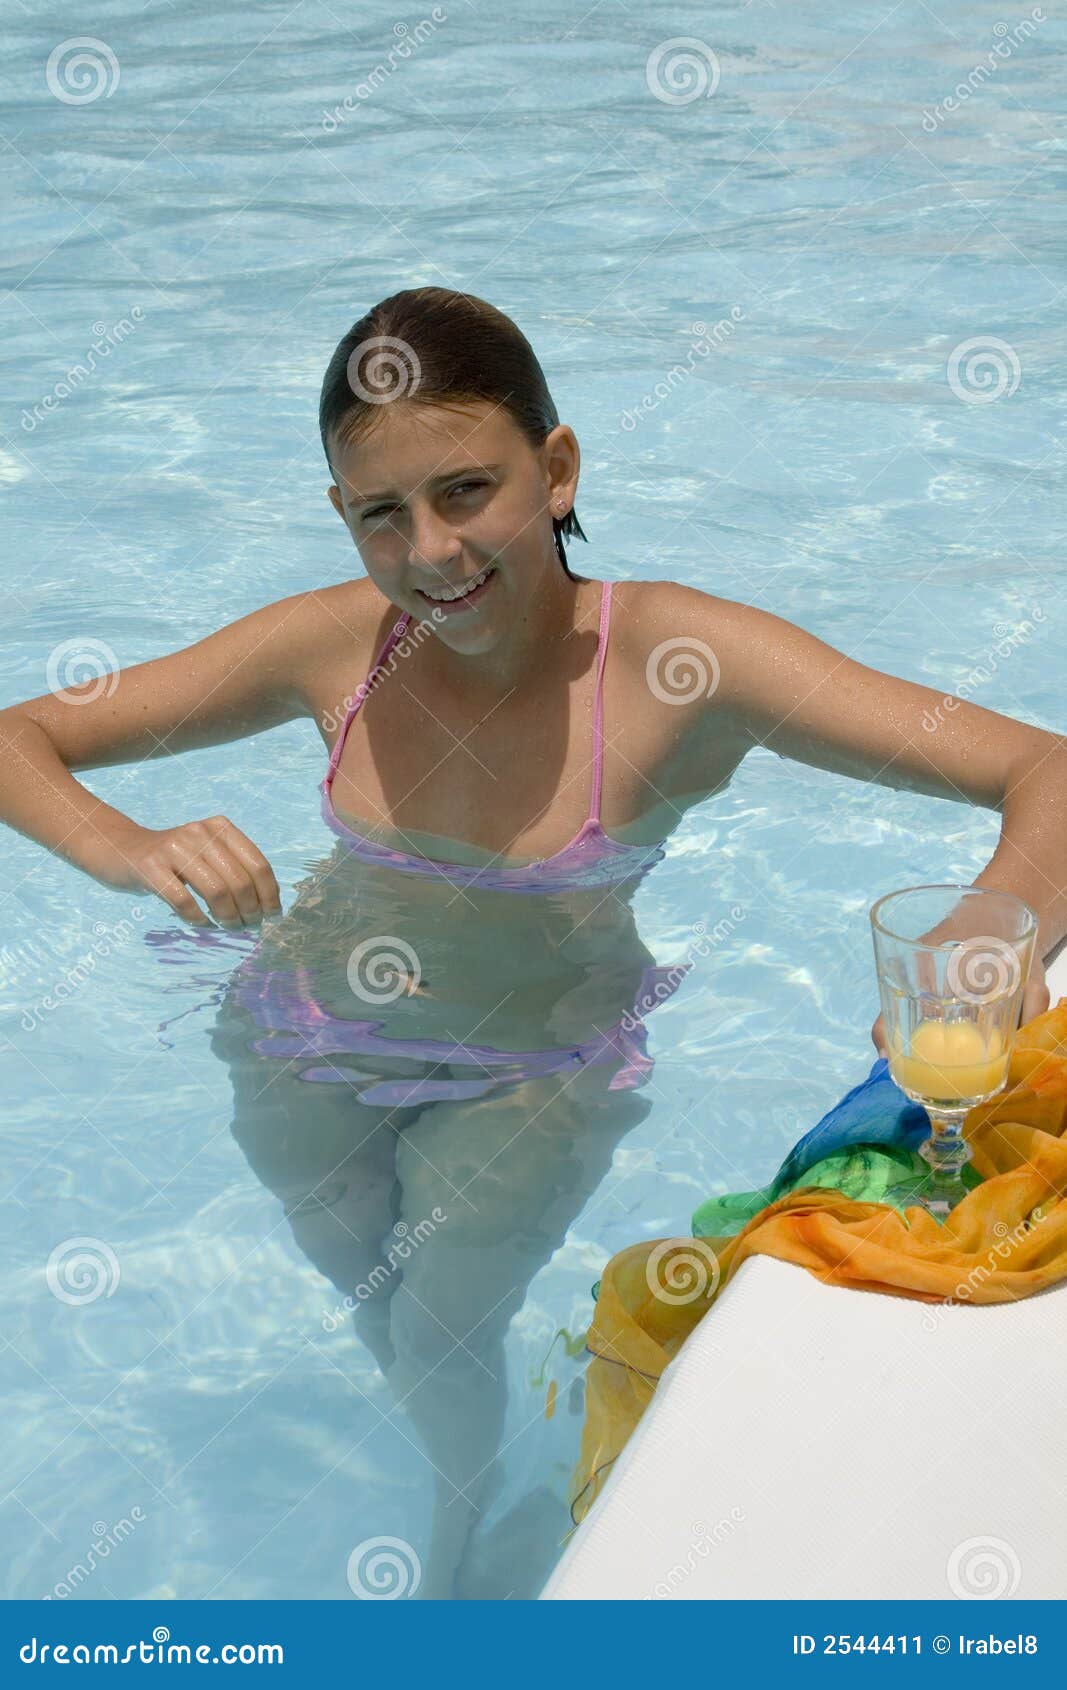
434 542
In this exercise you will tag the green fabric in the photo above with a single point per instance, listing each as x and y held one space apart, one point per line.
867 1173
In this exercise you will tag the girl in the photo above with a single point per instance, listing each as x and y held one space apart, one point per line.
441 1043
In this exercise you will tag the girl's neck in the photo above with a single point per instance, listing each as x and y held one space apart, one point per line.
534 640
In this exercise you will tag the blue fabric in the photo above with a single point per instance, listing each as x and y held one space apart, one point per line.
874 1112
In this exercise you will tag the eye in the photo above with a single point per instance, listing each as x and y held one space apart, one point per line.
460 487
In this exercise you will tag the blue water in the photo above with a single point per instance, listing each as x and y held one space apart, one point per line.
199 1427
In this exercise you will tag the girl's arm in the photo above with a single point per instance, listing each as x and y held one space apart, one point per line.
236 682
785 689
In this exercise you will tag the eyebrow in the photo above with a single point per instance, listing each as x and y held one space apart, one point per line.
436 481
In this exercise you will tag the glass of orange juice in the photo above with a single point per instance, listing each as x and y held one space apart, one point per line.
952 964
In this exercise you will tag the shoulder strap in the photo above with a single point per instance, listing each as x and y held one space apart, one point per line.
598 702
395 633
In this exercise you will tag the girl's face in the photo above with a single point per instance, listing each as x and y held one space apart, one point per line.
439 500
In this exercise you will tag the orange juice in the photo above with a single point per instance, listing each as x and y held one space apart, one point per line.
949 1060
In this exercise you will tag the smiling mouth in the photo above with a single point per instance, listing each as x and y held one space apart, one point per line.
456 598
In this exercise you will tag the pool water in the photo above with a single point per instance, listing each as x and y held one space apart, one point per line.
750 305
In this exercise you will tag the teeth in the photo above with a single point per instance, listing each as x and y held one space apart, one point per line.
445 597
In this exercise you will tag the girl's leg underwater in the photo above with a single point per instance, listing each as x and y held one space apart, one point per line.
510 1173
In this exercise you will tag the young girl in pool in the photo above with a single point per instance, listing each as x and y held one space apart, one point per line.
449 1019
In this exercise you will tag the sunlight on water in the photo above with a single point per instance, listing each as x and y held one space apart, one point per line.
750 306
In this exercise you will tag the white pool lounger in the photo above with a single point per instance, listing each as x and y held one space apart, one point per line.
812 1441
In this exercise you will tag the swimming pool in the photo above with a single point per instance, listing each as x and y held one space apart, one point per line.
747 303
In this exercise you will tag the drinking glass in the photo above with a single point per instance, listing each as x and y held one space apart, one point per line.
952 964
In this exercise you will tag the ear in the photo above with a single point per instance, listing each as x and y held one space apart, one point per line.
333 493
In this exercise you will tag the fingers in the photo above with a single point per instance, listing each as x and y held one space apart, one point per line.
1036 999
170 889
217 861
257 866
232 876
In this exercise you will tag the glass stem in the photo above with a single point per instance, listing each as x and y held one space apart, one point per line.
947 1152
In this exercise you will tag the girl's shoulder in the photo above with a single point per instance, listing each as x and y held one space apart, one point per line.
654 611
344 621
718 659
657 611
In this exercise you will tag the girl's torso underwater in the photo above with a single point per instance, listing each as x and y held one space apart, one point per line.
430 960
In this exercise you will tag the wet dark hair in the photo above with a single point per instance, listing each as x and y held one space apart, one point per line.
449 349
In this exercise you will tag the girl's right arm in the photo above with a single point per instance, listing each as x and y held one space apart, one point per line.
239 681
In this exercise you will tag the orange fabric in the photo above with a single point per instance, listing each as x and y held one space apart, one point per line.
1005 1240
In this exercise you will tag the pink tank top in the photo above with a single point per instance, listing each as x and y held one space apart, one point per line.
590 859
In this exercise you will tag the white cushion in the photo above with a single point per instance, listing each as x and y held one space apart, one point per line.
815 1441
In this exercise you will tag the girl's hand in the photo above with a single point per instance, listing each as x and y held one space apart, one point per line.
213 857
1036 999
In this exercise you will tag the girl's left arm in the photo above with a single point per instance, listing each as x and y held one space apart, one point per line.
788 690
